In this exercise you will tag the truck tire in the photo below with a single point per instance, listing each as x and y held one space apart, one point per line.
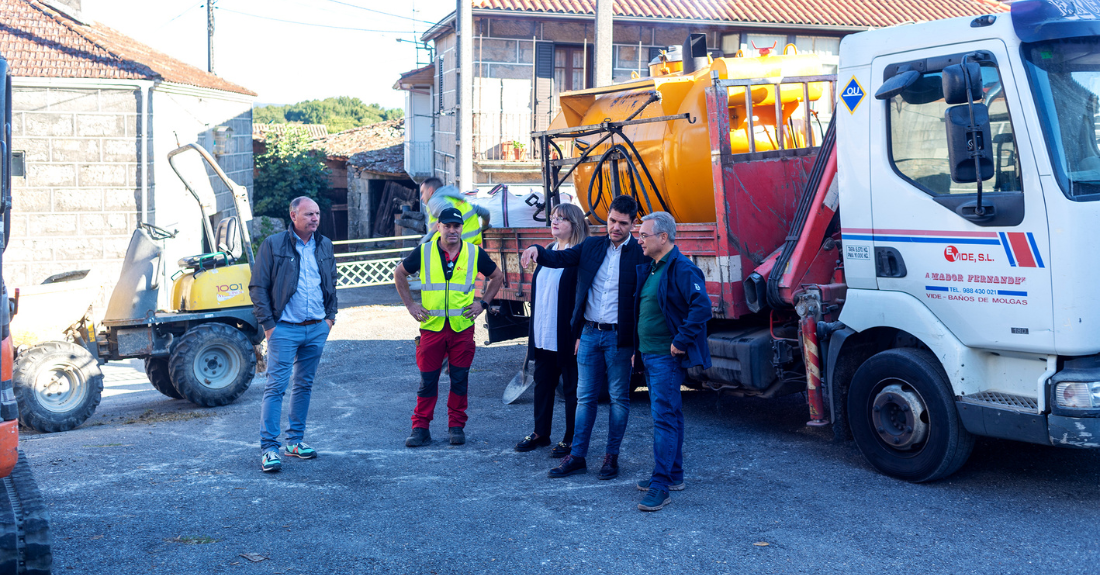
24 524
156 369
903 416
212 364
58 385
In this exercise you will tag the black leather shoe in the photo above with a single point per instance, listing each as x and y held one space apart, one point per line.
569 466
610 467
560 450
531 442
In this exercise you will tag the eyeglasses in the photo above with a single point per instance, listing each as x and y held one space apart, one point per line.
558 219
643 236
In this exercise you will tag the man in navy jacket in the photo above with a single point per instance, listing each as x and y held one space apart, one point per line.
603 326
673 308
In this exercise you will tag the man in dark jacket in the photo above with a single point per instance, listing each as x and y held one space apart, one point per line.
603 326
293 291
672 307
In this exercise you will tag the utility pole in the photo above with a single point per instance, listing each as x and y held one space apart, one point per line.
210 36
466 95
604 11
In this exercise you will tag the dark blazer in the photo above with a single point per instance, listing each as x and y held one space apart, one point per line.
567 295
587 258
683 298
275 276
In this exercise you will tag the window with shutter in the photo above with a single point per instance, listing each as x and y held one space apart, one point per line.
544 85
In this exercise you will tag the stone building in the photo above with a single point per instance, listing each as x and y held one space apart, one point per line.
95 115
526 53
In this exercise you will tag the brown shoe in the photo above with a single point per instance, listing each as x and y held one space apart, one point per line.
610 468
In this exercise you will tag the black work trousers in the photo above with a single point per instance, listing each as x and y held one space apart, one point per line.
549 366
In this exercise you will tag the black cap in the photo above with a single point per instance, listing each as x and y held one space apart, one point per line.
450 216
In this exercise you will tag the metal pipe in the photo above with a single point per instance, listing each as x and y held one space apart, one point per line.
779 117
748 118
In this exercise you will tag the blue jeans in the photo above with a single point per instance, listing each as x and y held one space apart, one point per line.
601 361
663 376
290 346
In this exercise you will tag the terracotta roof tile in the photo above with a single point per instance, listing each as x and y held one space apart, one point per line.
40 42
377 148
849 13
314 131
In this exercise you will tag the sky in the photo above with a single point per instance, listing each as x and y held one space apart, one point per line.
287 51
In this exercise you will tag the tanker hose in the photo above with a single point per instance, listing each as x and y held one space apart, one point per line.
615 153
805 205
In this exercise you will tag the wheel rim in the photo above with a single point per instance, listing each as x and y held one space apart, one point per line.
60 387
217 365
899 416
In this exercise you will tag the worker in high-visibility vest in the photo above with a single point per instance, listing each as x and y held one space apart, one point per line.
437 197
448 267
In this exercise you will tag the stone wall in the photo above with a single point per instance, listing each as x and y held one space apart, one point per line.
79 202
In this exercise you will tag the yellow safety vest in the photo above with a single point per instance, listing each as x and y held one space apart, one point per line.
471 224
445 299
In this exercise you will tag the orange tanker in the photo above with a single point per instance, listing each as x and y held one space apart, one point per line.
676 153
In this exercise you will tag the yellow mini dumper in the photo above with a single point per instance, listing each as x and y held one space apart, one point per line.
204 348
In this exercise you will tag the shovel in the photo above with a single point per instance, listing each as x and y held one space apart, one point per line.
519 383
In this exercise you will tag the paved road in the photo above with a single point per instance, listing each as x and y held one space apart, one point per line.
153 485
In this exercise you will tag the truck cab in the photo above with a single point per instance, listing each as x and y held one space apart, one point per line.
986 274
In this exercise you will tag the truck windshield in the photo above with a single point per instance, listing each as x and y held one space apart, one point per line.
1065 81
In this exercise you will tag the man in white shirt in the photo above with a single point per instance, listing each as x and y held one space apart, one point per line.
603 328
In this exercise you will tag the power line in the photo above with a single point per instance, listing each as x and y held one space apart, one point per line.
380 12
178 16
311 24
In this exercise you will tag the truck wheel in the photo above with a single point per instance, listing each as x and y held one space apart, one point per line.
212 365
24 524
903 416
58 385
156 369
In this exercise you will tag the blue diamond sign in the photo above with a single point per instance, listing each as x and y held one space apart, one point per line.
852 95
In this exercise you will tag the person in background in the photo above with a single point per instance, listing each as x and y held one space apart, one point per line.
437 197
603 320
293 291
448 267
550 341
672 307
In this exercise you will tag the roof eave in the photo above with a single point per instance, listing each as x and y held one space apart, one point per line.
447 23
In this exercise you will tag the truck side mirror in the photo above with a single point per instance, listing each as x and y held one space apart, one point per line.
961 141
896 84
954 83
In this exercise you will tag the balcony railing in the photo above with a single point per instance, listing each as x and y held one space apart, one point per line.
495 135
418 159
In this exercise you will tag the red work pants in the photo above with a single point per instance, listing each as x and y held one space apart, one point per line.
458 348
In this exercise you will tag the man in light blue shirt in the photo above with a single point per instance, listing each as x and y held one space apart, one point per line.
293 292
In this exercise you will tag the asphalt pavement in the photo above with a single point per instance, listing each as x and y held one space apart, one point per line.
155 485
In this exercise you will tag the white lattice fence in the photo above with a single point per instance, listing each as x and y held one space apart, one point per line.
370 267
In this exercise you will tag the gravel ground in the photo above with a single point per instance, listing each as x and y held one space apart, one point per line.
153 485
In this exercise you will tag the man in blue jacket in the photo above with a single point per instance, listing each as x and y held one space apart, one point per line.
603 325
672 307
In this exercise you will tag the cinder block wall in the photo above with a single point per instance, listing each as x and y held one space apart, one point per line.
79 202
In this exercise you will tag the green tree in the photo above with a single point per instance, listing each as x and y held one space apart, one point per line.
288 168
337 114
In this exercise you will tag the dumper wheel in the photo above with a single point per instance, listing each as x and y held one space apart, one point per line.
903 416
156 369
212 364
24 524
58 386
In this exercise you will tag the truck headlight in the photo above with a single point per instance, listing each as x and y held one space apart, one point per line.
1077 394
